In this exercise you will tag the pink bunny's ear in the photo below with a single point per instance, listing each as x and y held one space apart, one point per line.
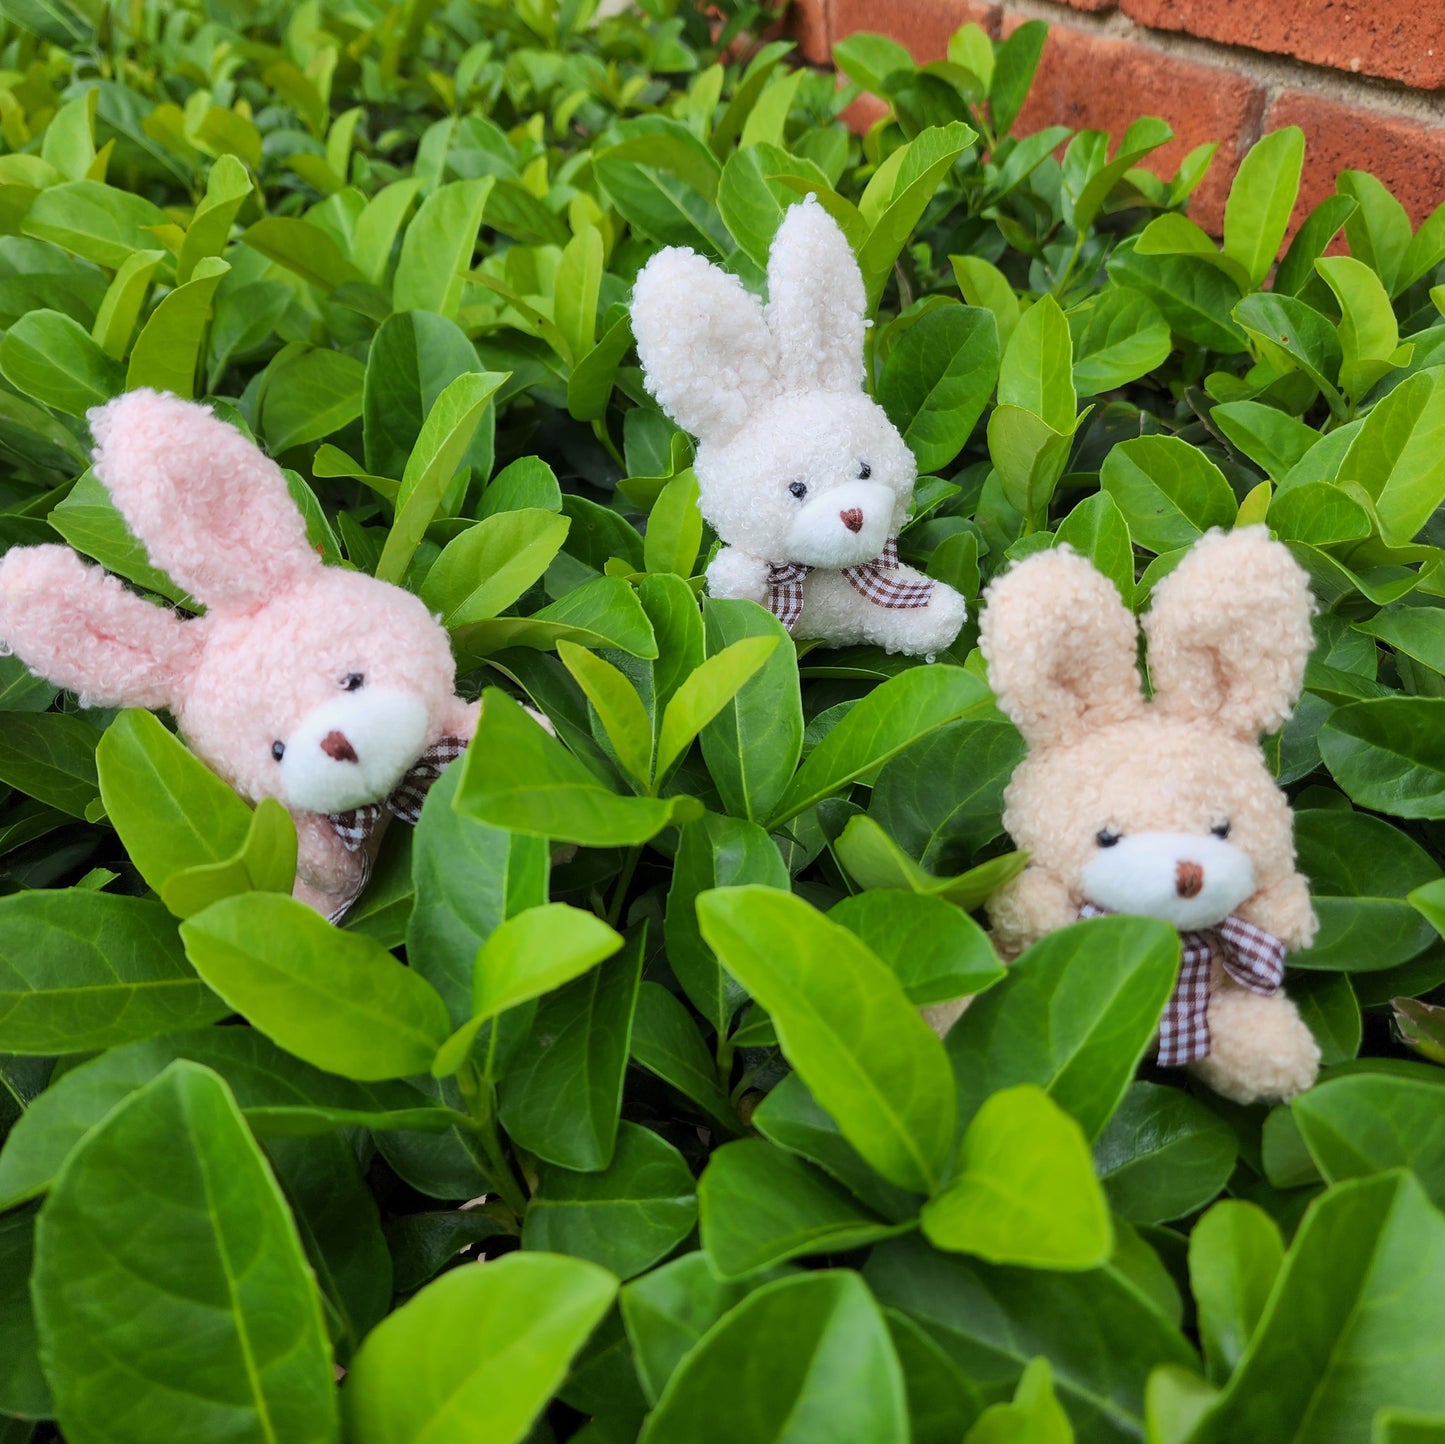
78 627
706 352
211 509
1229 633
817 307
1060 647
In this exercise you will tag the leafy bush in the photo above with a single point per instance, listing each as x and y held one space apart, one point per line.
660 1008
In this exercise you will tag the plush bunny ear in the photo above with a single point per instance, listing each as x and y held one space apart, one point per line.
1060 648
78 627
211 509
817 308
1229 633
707 355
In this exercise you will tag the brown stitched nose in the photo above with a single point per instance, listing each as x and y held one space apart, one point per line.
1188 879
852 518
335 746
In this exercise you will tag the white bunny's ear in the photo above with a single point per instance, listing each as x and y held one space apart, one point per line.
707 355
1229 633
1060 647
211 509
817 307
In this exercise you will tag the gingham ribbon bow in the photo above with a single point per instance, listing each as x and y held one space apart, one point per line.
871 580
404 801
1251 956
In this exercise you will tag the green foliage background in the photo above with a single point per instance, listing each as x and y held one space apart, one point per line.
660 1006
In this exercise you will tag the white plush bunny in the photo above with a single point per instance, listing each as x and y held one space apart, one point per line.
801 474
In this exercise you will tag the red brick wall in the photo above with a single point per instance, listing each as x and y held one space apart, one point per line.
1364 78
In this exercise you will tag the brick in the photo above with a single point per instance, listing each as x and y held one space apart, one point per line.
1097 82
1407 156
922 26
807 24
1400 40
864 113
1092 4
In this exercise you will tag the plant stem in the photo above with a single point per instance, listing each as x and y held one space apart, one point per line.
481 1101
624 881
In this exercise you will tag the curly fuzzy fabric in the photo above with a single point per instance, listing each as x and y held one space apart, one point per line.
1229 635
285 641
795 463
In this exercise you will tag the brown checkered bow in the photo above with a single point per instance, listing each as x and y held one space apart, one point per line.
871 580
404 801
1251 956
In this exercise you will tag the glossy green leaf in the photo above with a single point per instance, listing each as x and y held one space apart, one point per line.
102 223
601 613
1369 333
336 999
437 247
490 1343
1169 492
674 527
844 1023
1235 1253
626 1217
51 757
486 568
1261 199
666 1041
1034 1416
51 357
1389 754
167 353
1117 339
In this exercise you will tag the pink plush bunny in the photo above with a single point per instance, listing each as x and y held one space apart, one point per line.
323 688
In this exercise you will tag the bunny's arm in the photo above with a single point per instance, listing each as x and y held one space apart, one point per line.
735 573
326 873
1284 909
1027 908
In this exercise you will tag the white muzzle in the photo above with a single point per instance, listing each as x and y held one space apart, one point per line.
352 750
1191 881
842 526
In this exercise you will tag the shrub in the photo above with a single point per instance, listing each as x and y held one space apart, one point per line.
322 215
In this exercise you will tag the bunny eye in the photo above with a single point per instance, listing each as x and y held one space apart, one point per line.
278 750
352 681
798 489
1107 837
1220 829
864 471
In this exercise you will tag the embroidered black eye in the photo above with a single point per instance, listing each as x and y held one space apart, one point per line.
798 489
1107 837
864 471
352 681
278 750
1220 830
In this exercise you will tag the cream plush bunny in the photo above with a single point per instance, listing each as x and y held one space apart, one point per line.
1165 808
800 473
324 688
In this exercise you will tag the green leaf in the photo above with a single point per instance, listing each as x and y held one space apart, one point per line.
435 460
1037 369
666 1041
1389 754
1015 62
1195 297
263 861
888 720
1360 870
484 570
1143 137
528 954
490 1343
563 1092
845 1023
1378 230
194 1279
1103 985
1321 226
1118 338
601 613
304 249
1291 335
1029 456
52 358
983 284
1163 1154
618 708
937 380
753 744
436 250
704 693
1271 439
546 791
336 999
759 1206
50 756
579 274
83 970
1169 492
634 1212
1096 529
868 60
874 860
936 950
23 1390
674 527
1235 1253
100 222
1034 1416
309 394
1261 199
119 311
1023 1189
1355 1321
1369 334
819 1365
167 353
714 852
1360 1124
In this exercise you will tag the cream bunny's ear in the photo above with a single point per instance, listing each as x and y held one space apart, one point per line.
211 509
1060 647
817 307
707 355
1229 633
79 627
